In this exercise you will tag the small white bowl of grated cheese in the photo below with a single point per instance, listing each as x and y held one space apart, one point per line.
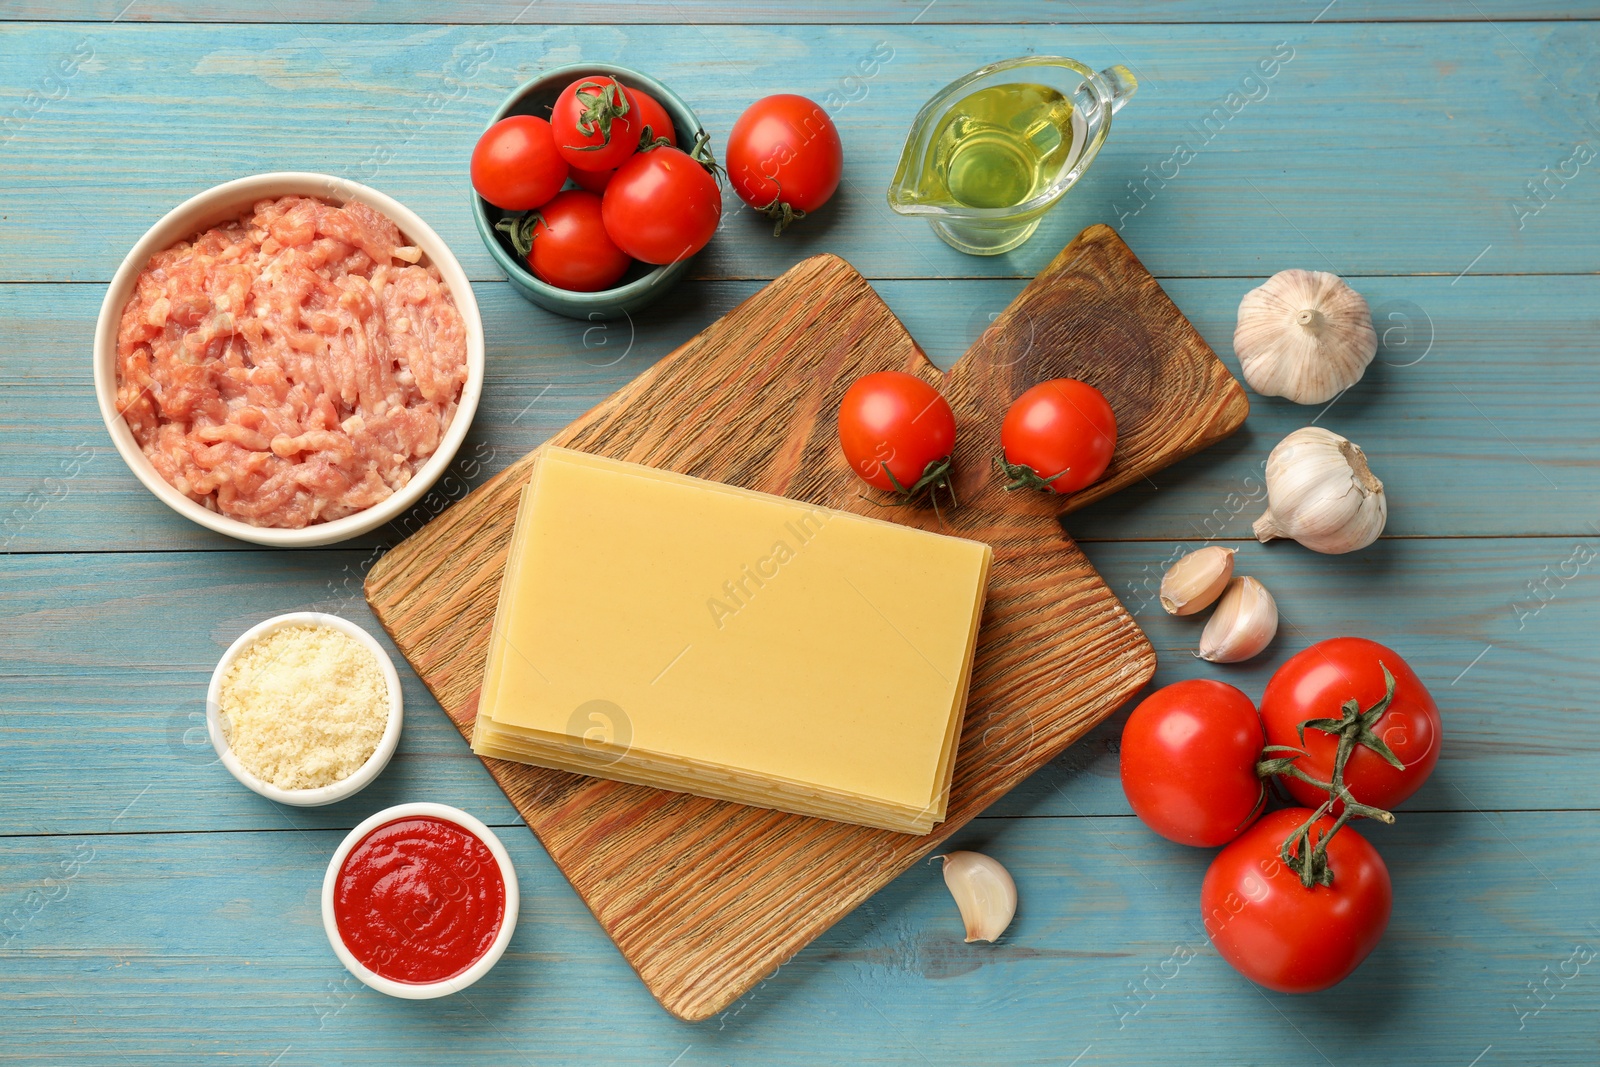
305 709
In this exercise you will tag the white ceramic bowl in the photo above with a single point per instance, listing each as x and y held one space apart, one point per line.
327 794
219 204
422 990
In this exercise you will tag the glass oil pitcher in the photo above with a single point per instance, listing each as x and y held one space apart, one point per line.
994 150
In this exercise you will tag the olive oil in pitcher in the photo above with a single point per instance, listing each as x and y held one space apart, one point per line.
999 147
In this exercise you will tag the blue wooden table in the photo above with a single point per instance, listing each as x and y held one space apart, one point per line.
1441 156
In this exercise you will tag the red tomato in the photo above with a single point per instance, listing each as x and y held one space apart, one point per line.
1280 934
1059 435
515 164
653 116
570 247
893 427
596 123
594 181
1189 756
784 157
662 206
1313 684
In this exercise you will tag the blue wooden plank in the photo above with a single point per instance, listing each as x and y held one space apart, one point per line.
175 949
1478 413
117 648
778 12
1213 169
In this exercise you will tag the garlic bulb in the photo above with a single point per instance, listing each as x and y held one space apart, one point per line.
1321 492
1196 580
1304 334
984 892
1245 622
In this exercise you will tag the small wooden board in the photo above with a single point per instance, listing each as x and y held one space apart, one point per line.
705 898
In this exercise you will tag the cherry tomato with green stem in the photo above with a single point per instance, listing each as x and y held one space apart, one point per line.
1058 436
784 157
596 123
515 164
1189 754
1282 934
566 245
897 432
1395 751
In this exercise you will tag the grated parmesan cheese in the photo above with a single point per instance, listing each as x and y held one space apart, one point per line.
304 706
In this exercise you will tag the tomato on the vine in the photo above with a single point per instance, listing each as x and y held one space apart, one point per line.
784 157
515 164
1058 436
662 206
1280 933
1316 685
570 249
1189 754
896 431
596 123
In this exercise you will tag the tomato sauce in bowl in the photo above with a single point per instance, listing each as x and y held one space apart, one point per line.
420 900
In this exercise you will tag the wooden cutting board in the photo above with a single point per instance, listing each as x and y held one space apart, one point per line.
705 898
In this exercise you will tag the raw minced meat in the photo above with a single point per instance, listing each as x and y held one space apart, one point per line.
294 366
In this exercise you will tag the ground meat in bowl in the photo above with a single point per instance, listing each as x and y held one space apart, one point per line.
291 367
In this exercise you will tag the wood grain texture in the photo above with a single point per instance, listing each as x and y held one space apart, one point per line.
1470 433
77 645
193 949
786 13
750 401
1475 110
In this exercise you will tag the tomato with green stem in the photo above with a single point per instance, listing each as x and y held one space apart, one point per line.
1352 685
516 165
596 123
1189 754
663 204
784 157
1281 933
1058 436
655 126
897 433
566 245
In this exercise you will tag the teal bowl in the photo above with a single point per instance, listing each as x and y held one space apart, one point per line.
643 284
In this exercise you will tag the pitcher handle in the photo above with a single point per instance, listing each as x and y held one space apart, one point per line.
1120 84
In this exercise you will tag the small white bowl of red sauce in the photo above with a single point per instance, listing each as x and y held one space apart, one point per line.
420 901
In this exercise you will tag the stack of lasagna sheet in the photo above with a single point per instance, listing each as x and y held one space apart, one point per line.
673 632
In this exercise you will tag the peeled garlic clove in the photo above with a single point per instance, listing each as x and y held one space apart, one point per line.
1196 580
984 892
1305 335
1321 493
1245 622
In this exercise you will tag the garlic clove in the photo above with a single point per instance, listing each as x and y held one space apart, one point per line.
1305 335
1196 580
984 892
1322 493
1245 622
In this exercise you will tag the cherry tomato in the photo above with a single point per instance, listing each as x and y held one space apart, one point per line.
596 123
662 206
594 181
1280 934
1189 756
654 116
1059 436
515 164
784 157
570 247
893 427
1315 683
